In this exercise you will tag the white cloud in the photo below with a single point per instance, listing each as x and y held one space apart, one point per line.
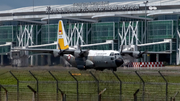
5 7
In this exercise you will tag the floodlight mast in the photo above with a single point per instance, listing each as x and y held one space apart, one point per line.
145 2
145 34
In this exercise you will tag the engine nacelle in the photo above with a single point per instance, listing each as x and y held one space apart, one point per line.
76 53
56 53
135 54
89 63
80 66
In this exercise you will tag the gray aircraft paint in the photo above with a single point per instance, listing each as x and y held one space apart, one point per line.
95 59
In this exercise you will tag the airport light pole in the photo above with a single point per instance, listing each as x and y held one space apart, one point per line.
145 2
33 6
48 27
145 34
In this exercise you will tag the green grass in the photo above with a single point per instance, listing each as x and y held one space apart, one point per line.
155 88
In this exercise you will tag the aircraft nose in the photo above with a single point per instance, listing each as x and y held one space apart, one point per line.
119 62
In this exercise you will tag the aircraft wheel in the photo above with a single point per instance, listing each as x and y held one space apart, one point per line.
114 69
101 69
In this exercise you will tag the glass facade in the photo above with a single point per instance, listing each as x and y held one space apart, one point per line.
5 49
73 30
5 34
160 30
128 28
101 47
157 47
52 36
102 32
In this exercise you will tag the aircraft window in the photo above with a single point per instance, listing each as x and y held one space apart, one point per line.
112 58
112 54
117 54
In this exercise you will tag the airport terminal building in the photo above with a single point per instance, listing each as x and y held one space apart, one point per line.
141 25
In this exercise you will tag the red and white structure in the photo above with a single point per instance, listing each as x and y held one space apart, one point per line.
147 64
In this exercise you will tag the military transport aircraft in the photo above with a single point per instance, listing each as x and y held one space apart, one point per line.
133 54
82 59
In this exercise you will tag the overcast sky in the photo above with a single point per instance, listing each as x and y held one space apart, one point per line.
12 4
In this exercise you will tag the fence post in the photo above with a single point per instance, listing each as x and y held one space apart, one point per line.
0 93
56 85
101 93
63 96
143 85
77 86
171 99
6 98
120 85
135 95
34 92
37 91
166 85
17 85
97 81
175 96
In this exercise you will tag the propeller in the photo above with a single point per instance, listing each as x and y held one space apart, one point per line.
60 51
140 55
82 53
121 50
134 54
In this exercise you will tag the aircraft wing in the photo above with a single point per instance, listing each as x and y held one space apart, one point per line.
135 54
55 52
127 52
37 50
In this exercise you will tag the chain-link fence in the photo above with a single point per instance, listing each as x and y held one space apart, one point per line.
75 85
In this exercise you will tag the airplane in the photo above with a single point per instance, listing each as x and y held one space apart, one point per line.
129 55
130 52
82 59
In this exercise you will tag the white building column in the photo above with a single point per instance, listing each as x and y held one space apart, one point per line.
42 60
49 60
157 57
36 62
178 57
2 60
171 58
31 61
148 57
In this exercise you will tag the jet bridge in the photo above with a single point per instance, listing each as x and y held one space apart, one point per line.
169 51
4 50
158 51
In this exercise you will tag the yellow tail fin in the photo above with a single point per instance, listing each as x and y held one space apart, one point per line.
61 36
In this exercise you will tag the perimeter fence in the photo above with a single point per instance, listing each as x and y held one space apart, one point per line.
75 85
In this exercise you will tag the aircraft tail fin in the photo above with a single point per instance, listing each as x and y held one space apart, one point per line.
61 37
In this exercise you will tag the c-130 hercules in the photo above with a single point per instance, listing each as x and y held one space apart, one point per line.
82 59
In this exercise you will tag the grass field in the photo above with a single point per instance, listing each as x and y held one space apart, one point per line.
88 86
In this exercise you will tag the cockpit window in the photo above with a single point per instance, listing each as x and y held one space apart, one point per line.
112 54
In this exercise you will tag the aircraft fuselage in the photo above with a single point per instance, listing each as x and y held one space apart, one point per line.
97 59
